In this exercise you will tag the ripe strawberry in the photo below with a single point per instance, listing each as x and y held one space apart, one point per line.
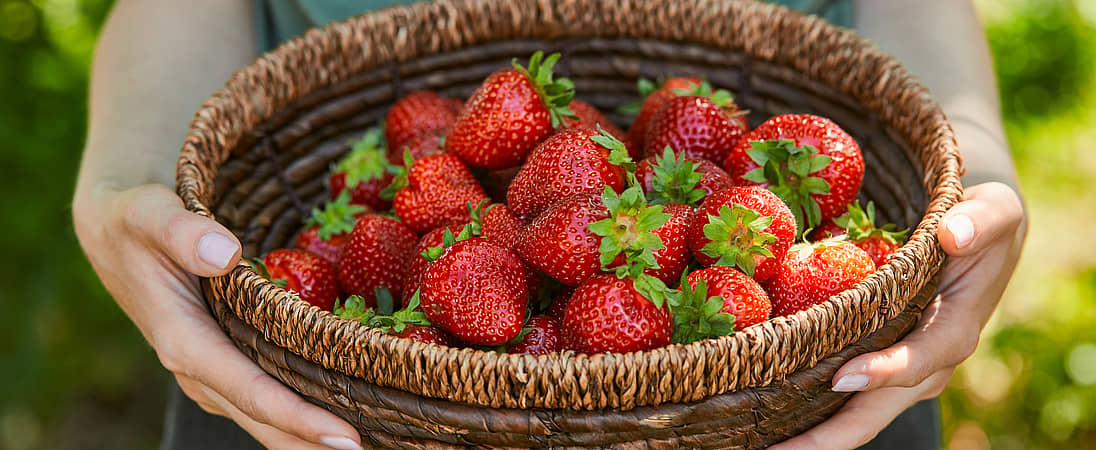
808 161
589 117
654 98
748 227
672 256
510 113
609 314
419 147
567 163
428 335
310 276
859 227
363 172
376 256
477 291
559 242
435 192
674 178
812 273
542 336
418 113
741 296
705 125
496 224
326 232
418 261
408 322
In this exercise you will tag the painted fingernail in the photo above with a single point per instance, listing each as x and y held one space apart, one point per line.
216 249
340 443
962 229
851 383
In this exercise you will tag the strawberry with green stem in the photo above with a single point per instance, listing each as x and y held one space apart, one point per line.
510 113
654 97
308 275
408 322
675 178
811 273
705 124
327 230
717 301
746 227
654 236
858 225
434 191
363 172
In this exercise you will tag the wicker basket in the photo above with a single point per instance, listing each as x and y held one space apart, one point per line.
259 149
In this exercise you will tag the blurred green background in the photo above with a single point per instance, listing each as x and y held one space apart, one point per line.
75 374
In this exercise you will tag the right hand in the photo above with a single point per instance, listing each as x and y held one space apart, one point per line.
149 252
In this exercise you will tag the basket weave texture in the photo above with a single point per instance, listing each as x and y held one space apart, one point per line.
259 148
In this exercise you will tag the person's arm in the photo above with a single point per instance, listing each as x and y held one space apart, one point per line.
155 63
941 42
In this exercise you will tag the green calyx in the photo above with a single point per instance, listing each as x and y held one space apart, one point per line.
447 240
628 229
556 93
860 225
697 316
645 88
721 97
367 159
400 174
259 267
675 180
618 153
477 213
383 317
335 217
737 234
787 169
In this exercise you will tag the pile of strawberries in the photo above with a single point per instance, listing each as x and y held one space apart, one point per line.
522 220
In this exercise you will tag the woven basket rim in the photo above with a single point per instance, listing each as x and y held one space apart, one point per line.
872 300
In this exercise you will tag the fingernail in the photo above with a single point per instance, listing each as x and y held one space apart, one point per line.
340 443
851 383
216 249
962 229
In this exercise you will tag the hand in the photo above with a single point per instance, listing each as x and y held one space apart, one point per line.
982 236
148 251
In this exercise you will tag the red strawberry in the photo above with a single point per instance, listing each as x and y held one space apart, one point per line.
559 242
589 117
310 276
406 323
428 335
748 227
674 255
609 314
376 256
510 113
742 296
497 224
859 225
419 147
363 172
476 291
568 163
810 162
704 126
328 229
654 99
671 178
418 113
812 273
417 262
436 192
559 303
543 337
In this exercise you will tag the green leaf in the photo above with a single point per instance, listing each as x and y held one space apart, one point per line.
385 304
645 87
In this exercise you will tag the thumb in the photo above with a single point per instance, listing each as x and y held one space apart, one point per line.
988 212
155 215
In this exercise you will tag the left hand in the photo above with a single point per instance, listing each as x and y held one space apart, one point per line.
982 236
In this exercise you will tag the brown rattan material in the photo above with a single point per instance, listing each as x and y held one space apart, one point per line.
259 149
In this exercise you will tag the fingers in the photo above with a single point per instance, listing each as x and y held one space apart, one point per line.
988 213
864 416
199 245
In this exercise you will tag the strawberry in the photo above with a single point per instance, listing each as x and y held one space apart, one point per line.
419 147
739 295
476 291
406 323
363 172
496 224
589 117
670 254
435 192
418 113
859 227
705 125
671 178
310 276
812 273
428 335
808 161
609 314
541 336
510 113
567 163
654 98
418 261
376 256
559 242
748 227
326 232
559 303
